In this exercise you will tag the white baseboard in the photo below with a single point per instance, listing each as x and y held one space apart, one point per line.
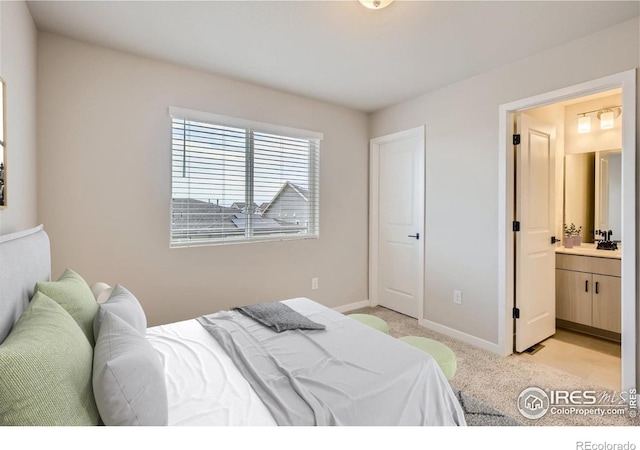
464 337
352 306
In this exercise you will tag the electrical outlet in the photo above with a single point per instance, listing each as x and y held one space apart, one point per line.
457 297
314 283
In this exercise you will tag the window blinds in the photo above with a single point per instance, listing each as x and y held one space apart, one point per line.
235 180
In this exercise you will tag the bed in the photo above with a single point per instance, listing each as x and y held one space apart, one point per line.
198 371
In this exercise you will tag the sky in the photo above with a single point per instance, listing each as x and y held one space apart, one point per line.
208 163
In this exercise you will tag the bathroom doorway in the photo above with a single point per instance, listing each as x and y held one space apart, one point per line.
577 318
585 218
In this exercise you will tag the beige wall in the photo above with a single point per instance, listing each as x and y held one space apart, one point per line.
104 185
18 68
462 167
108 211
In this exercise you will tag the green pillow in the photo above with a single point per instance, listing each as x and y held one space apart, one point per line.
75 296
45 369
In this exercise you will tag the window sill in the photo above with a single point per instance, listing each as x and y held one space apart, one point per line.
208 243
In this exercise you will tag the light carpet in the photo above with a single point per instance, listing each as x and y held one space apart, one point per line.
497 380
480 414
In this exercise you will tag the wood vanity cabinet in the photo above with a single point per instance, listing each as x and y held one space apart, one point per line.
588 291
606 303
573 296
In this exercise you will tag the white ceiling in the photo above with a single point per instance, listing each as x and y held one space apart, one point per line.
336 51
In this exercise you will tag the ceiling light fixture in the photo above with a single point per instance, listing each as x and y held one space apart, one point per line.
606 116
376 4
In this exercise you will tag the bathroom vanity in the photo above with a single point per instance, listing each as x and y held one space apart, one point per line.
588 290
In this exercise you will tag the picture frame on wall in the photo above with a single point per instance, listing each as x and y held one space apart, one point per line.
3 144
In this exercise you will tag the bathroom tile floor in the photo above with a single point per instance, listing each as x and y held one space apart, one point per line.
594 359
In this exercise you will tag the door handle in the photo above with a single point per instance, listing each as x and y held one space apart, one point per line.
597 286
586 286
417 235
554 239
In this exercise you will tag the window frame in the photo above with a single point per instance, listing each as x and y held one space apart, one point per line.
251 127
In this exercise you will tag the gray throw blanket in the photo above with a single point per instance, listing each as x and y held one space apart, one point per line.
279 317
349 374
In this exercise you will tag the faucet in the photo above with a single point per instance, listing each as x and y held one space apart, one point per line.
606 243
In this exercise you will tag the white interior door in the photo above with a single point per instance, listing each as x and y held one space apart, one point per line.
399 160
535 253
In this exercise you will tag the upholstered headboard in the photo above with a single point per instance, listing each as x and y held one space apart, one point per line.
25 259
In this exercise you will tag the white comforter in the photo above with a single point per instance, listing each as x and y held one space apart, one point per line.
203 385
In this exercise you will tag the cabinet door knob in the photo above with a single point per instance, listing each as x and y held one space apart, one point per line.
597 285
586 286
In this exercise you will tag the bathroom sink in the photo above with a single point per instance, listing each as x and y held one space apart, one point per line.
591 249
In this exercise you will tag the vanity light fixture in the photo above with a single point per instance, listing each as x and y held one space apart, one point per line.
584 124
376 4
606 116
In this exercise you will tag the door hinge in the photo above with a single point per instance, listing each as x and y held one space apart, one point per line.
516 225
516 313
516 139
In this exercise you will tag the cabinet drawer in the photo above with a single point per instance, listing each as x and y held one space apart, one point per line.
589 264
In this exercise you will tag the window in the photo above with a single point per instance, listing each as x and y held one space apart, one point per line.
234 180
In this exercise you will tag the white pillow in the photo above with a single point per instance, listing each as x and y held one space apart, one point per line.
128 376
125 305
101 291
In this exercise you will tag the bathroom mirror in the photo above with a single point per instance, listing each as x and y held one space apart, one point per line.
579 192
592 192
3 146
608 190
